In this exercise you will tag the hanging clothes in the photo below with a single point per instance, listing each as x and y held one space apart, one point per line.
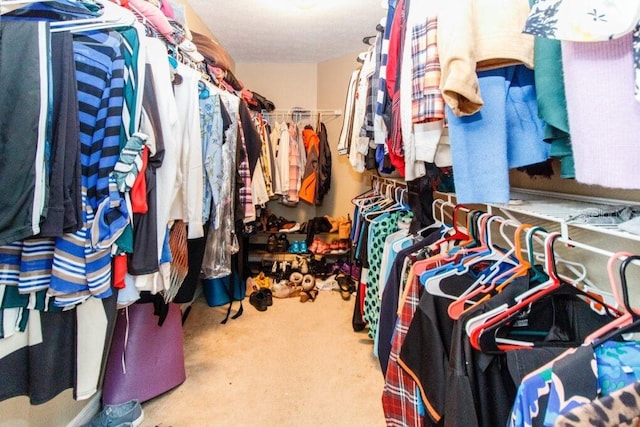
160 120
222 241
605 59
309 182
434 372
296 162
344 142
323 181
92 193
604 370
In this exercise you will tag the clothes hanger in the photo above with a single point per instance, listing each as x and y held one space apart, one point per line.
440 209
488 284
491 252
477 325
432 279
367 196
489 327
448 230
575 267
519 270
484 251
112 16
394 205
578 269
458 234
630 319
420 266
368 39
474 227
423 232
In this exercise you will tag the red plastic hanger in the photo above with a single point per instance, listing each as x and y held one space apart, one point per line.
630 316
458 234
526 298
458 307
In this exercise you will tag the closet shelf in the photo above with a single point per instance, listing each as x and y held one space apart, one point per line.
568 210
264 254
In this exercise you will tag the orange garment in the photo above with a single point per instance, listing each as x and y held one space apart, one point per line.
310 177
310 138
139 188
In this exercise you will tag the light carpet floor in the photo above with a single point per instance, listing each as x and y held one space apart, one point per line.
296 364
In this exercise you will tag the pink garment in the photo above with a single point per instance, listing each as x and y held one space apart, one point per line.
294 164
155 16
604 117
167 9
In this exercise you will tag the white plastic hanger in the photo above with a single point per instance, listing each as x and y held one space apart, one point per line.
487 252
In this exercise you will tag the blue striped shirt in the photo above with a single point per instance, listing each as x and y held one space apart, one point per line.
78 268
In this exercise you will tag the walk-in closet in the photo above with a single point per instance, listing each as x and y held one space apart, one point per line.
403 213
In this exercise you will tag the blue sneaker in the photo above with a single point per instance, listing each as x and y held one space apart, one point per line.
125 414
295 247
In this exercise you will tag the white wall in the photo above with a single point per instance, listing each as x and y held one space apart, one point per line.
287 85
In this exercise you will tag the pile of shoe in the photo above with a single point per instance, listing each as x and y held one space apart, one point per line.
319 268
276 224
294 279
260 281
336 247
319 224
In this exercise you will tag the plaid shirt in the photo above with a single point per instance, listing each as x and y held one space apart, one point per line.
427 101
400 398
246 195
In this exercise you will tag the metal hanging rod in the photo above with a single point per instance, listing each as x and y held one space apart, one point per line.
305 112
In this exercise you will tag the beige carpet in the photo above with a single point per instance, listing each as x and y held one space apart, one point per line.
296 364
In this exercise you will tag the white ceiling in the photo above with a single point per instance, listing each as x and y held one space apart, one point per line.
290 30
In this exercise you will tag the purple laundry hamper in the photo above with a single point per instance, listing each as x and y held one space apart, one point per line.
153 355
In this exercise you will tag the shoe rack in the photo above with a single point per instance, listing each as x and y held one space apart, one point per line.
259 255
